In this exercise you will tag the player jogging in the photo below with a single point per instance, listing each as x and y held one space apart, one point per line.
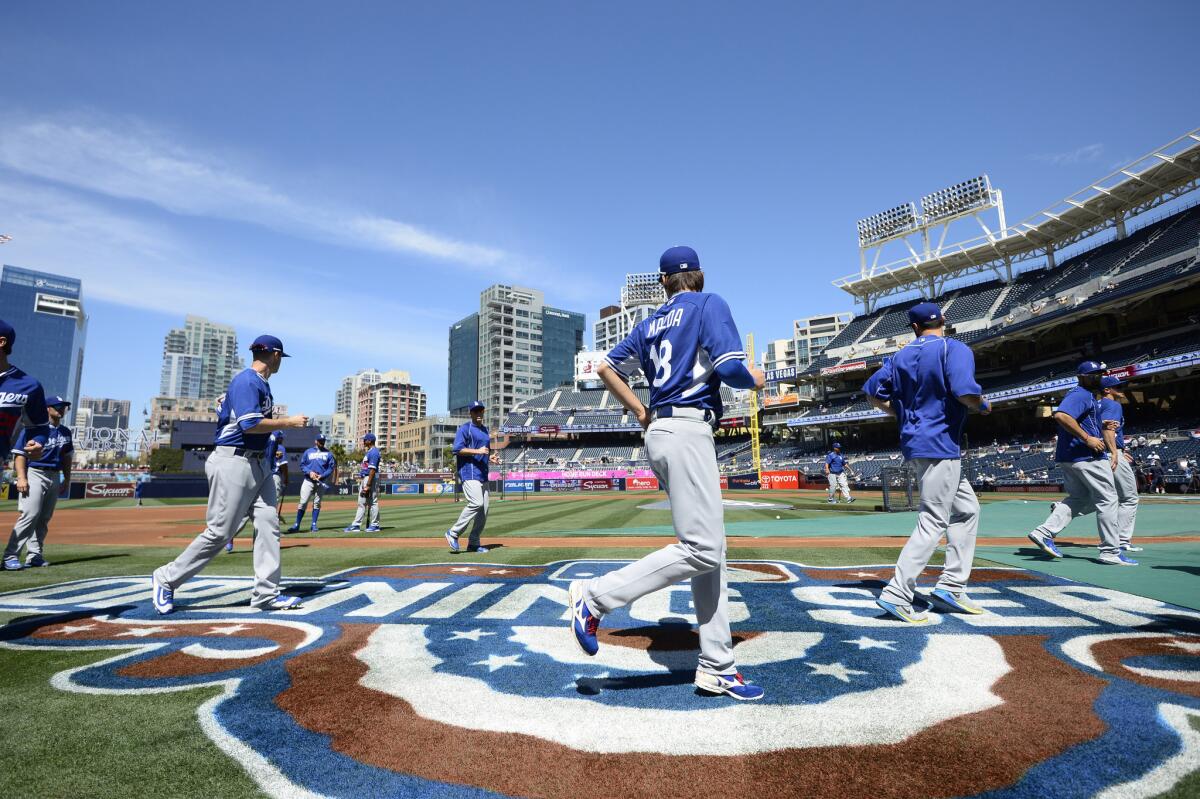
277 458
835 472
368 490
1087 474
688 347
320 469
22 400
38 488
929 386
1112 419
239 483
472 452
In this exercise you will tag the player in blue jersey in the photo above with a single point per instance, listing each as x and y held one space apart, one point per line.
472 452
1112 418
1087 474
319 468
368 489
277 458
22 401
929 386
239 483
38 488
835 471
687 349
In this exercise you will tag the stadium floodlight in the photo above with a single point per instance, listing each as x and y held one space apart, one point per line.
887 224
961 198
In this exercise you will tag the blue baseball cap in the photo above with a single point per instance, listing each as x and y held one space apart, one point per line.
1111 381
369 437
269 344
924 312
476 406
679 259
7 331
320 436
837 445
1091 368
54 401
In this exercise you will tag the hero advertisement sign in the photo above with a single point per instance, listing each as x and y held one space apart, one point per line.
385 669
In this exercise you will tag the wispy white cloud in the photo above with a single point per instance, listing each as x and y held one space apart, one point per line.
132 161
1080 155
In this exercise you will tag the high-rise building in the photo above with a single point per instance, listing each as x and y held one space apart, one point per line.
524 346
103 412
386 406
463 367
199 360
47 312
641 296
346 400
424 442
809 337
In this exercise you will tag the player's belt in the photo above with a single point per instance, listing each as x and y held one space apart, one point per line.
240 452
683 412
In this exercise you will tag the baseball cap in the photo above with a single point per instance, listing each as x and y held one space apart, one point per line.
54 401
270 344
924 312
1091 367
369 437
320 436
1110 381
7 331
476 406
679 259
837 445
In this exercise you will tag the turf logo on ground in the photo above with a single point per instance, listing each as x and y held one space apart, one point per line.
461 680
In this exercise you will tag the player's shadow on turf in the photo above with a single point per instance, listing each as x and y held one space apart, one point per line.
91 557
592 686
1194 570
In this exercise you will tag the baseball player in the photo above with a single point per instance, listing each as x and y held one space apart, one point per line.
368 490
1112 418
688 348
1087 474
22 401
239 483
277 457
38 488
139 488
835 472
472 452
929 386
320 469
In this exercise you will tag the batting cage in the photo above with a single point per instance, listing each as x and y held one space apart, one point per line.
899 489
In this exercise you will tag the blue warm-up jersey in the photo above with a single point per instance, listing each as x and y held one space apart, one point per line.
922 382
247 401
22 402
835 462
276 452
317 460
472 467
56 447
1111 411
679 349
370 461
1081 405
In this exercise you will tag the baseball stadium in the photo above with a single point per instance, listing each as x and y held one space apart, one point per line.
405 668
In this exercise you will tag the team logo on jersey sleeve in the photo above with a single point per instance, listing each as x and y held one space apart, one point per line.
462 680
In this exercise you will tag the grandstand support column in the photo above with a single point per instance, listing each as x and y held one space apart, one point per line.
1050 256
1119 220
755 448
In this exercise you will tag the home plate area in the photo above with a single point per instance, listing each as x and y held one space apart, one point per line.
463 680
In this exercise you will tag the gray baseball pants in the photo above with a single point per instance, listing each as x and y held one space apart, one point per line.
280 486
684 459
311 490
838 481
238 486
1127 499
368 507
36 510
949 508
1090 487
475 514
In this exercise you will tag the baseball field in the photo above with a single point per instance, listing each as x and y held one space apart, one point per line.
414 672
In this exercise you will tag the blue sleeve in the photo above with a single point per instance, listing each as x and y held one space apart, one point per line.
68 447
960 365
35 414
373 459
879 385
327 469
719 335
460 439
630 348
243 403
1110 410
733 372
1076 405
18 447
829 459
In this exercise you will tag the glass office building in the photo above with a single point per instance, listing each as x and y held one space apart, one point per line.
47 312
562 338
463 368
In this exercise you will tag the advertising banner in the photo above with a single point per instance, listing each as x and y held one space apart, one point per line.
849 366
108 491
437 488
642 484
744 482
518 485
596 484
781 399
734 421
775 375
579 474
548 429
557 485
781 481
586 364
406 488
724 482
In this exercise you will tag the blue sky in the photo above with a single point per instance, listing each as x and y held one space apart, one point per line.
350 176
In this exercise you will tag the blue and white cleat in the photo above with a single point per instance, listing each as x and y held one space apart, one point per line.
164 598
1045 543
1130 548
1117 559
477 548
374 528
351 529
902 612
583 622
12 564
452 542
282 602
729 684
36 562
955 601
229 545
313 529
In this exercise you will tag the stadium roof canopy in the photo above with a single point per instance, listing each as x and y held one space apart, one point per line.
1159 177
